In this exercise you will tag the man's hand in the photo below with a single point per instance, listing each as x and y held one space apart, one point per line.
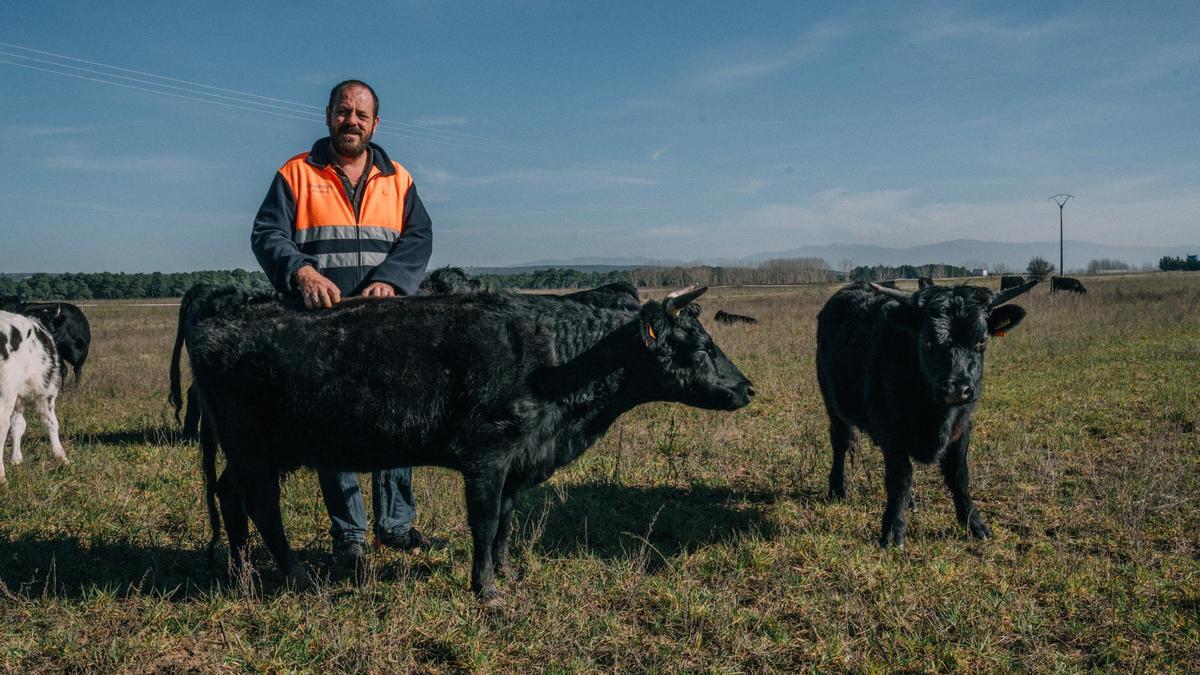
379 289
316 289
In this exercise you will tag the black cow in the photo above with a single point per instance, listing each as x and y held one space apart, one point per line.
729 319
891 283
924 282
503 388
65 322
448 280
1066 284
443 281
616 295
907 369
1008 281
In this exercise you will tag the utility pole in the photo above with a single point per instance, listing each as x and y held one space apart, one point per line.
1061 200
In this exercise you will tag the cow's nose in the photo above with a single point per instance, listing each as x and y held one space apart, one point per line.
965 392
750 390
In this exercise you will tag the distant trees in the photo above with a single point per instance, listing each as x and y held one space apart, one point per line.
1189 264
87 286
1039 267
1106 265
887 273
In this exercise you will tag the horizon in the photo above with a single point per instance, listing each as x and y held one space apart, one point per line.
602 132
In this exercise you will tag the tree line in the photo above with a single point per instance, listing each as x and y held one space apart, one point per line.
1189 264
121 285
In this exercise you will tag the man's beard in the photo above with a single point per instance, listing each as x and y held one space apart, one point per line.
348 145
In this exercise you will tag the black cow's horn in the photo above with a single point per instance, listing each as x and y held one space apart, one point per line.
894 293
1012 293
680 299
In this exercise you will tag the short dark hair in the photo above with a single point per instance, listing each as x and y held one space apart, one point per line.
337 90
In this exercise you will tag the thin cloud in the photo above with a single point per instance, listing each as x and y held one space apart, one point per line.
949 25
658 154
159 164
442 121
814 43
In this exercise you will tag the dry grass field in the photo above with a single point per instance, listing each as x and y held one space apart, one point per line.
684 541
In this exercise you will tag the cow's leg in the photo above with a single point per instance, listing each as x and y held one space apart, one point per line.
191 419
262 504
15 431
45 408
500 557
7 408
897 478
233 512
483 495
958 476
841 437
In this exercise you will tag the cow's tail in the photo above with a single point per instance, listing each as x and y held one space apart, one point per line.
175 398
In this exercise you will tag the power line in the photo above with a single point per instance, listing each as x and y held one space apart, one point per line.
194 91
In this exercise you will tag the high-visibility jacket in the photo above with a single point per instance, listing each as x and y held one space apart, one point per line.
307 218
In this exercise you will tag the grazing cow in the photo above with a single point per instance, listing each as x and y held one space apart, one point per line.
28 374
1066 284
924 282
890 283
907 369
1008 281
66 323
503 388
729 319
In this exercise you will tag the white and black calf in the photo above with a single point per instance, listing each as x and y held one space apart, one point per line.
29 374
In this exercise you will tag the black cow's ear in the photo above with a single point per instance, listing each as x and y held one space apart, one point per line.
1004 318
903 315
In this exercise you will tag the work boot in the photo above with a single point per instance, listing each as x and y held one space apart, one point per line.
411 541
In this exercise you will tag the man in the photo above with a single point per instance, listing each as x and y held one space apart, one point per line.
342 220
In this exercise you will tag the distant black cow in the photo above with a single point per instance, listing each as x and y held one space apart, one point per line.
503 388
890 283
447 280
66 324
1066 284
924 282
1008 281
729 319
616 295
907 369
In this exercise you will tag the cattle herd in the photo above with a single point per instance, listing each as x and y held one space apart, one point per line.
506 388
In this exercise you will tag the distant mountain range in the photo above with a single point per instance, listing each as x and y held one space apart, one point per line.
970 253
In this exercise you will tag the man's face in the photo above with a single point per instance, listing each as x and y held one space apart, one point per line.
352 121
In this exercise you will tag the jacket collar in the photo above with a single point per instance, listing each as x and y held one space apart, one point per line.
320 157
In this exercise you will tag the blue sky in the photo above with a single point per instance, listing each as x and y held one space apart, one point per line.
564 129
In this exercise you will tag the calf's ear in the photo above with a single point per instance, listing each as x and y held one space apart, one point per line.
1004 318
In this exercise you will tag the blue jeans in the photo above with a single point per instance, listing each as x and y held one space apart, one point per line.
391 494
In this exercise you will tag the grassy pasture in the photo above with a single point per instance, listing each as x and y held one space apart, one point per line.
685 540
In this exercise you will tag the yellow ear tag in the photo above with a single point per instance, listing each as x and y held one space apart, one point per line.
650 330
999 333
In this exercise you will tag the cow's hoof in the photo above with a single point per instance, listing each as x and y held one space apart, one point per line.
17 459
979 529
488 598
298 580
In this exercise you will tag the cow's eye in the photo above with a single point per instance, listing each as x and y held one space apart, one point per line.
701 354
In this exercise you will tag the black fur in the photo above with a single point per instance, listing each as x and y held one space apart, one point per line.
729 319
924 282
503 388
67 325
1008 281
907 370
1066 284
